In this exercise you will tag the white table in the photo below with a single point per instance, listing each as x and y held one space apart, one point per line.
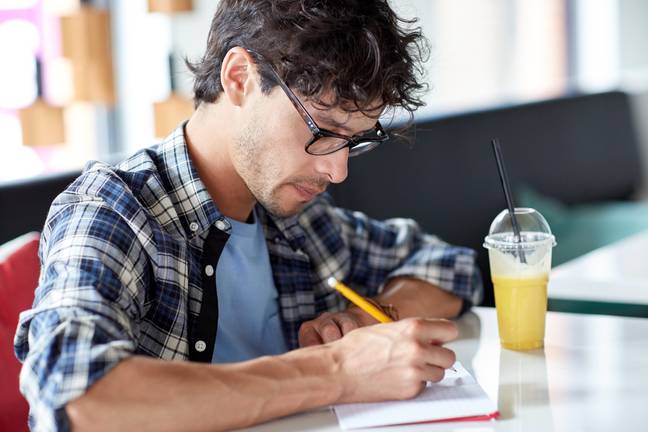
612 280
591 376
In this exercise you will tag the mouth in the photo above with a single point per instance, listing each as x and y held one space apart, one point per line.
307 193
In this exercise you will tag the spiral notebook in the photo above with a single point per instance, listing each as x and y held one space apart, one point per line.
458 397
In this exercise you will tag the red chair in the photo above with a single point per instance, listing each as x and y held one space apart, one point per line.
19 271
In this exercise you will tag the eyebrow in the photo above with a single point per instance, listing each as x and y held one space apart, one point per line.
323 118
336 124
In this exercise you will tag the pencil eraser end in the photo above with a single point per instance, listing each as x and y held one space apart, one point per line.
331 282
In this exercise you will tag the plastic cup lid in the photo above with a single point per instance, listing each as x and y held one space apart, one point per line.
534 231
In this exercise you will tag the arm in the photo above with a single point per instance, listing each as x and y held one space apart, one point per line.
408 297
87 307
376 363
147 394
396 264
382 251
417 298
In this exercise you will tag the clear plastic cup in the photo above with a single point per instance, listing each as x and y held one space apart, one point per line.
520 272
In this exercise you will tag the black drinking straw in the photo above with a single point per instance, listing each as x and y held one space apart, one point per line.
172 74
507 193
39 78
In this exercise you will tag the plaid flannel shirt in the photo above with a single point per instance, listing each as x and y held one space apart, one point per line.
128 256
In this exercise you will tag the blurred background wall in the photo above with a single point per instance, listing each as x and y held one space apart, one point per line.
485 53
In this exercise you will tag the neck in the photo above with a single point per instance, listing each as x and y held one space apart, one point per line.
208 140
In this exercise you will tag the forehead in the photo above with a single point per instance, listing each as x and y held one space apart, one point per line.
326 102
345 115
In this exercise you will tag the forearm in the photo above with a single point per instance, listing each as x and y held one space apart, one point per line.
146 394
417 298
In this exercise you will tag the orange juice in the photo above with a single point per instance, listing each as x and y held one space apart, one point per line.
521 303
519 252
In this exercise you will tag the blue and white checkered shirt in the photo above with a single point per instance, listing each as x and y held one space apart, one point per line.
128 256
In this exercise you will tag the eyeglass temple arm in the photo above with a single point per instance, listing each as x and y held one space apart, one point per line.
295 101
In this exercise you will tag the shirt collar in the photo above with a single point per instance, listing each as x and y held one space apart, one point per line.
194 206
289 227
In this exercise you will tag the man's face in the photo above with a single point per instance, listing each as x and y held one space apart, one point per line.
269 152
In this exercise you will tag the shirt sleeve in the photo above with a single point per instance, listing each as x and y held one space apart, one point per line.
86 310
383 250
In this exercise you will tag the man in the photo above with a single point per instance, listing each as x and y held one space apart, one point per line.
215 246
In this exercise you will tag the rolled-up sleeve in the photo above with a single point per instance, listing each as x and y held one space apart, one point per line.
85 315
383 250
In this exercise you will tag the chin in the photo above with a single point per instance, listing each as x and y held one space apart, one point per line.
287 212
282 211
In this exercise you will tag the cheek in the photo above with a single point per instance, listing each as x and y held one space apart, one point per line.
283 166
285 136
286 127
286 153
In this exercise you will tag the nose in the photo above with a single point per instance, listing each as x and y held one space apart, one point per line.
334 165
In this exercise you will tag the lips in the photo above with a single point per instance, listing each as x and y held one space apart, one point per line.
306 192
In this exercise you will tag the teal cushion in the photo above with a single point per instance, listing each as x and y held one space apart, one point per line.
582 228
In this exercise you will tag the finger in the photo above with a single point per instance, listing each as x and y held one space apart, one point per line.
447 331
329 331
413 383
439 356
346 322
430 331
308 336
432 373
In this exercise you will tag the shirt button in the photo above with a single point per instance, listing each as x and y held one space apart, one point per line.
209 270
193 226
220 225
200 346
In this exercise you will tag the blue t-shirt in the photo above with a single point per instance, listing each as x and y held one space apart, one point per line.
249 324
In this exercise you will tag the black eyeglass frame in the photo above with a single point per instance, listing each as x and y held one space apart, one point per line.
357 144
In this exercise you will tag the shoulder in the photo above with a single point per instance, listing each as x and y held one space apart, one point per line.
111 182
121 187
108 197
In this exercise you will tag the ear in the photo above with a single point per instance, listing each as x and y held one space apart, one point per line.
238 75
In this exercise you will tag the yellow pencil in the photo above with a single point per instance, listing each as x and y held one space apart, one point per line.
358 300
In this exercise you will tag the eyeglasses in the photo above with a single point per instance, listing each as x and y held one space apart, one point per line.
324 141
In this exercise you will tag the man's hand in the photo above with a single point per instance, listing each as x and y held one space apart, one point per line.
393 360
329 327
410 297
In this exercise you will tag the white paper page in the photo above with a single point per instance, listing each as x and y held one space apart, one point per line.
457 395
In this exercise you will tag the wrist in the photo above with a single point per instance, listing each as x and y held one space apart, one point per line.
321 367
339 379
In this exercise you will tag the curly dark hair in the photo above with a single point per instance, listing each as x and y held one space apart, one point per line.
358 52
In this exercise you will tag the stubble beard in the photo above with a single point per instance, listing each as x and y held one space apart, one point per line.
259 171
259 166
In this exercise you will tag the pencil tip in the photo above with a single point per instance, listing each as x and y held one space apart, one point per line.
331 282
